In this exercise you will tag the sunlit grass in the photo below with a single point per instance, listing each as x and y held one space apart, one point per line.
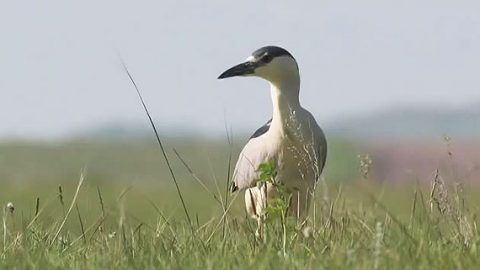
127 215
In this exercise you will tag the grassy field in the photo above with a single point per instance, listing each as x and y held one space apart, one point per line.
86 205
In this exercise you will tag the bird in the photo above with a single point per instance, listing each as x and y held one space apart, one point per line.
291 140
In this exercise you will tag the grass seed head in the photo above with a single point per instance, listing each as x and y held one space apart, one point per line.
10 207
308 232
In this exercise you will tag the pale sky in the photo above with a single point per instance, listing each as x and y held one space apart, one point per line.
60 73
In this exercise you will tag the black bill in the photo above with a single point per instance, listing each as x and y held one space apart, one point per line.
239 70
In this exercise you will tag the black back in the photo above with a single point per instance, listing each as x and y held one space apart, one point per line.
262 130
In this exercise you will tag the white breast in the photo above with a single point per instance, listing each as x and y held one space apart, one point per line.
293 150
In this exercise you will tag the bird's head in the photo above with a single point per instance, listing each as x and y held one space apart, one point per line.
271 63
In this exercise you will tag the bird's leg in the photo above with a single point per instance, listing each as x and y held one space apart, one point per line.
298 208
303 223
254 206
259 231
261 219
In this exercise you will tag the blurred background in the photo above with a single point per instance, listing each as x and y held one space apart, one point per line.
394 84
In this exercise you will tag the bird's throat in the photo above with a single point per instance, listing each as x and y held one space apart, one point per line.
285 101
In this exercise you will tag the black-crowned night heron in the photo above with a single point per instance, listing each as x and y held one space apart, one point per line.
292 140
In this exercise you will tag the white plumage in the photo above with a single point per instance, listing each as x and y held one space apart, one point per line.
291 140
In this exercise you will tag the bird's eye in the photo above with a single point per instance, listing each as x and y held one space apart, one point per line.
267 58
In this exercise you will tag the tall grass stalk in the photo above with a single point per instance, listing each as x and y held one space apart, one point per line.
228 176
4 219
196 178
160 144
80 182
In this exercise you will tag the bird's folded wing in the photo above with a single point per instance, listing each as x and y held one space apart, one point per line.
321 152
253 154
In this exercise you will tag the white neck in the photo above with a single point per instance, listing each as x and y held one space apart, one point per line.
285 100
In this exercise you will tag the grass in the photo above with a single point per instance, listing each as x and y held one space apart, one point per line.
125 214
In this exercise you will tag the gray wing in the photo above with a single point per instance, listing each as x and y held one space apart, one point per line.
254 153
319 148
321 151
